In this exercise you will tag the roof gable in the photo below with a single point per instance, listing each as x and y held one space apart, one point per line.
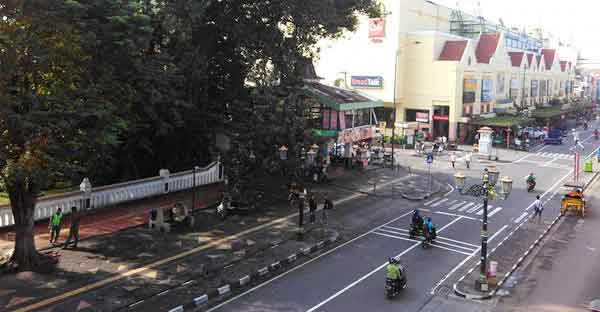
530 60
488 43
549 56
516 58
563 66
453 50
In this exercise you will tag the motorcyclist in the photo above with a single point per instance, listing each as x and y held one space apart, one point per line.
531 179
393 272
417 220
596 133
428 227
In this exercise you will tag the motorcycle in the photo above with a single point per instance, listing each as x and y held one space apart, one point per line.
522 146
428 240
391 289
530 186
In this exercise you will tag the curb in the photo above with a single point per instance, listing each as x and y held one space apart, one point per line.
423 197
261 274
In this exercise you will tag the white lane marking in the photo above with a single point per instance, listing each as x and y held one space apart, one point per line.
522 158
520 218
439 202
480 212
475 208
455 215
431 201
465 261
343 290
495 211
463 208
405 231
551 188
450 191
452 202
453 207
359 280
308 262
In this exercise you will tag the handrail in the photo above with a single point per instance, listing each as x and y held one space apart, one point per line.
119 193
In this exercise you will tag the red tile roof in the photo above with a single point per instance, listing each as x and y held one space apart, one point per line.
488 43
563 65
549 55
453 50
516 58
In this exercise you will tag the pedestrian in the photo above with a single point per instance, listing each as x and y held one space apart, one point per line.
537 208
468 159
312 208
453 159
300 212
54 226
74 228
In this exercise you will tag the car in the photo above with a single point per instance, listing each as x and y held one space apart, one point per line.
532 132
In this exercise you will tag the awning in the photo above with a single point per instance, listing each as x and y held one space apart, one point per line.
340 99
501 121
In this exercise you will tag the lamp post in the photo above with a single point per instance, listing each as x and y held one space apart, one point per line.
487 191
86 193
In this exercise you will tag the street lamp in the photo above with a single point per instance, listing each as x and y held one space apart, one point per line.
86 193
486 190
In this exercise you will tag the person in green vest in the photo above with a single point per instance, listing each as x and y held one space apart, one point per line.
393 272
54 226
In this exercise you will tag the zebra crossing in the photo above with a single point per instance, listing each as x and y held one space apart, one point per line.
554 155
463 206
441 242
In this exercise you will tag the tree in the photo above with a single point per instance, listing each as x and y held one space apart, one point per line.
56 115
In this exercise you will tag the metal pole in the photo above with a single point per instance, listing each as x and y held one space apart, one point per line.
484 236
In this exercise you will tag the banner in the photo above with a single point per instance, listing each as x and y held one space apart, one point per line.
356 134
376 29
469 90
422 117
486 90
370 82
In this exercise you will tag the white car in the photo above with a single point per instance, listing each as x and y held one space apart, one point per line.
532 132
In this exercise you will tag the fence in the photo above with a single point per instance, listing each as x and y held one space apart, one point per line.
115 194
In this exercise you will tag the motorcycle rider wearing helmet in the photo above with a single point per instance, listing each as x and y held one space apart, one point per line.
428 228
531 178
417 220
393 272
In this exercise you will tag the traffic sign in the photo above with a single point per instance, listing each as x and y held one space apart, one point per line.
429 158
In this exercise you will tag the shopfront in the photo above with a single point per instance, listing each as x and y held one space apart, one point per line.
441 121
420 120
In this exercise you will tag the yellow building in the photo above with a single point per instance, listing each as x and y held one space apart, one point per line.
436 71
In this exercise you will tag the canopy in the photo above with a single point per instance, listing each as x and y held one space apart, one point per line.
340 99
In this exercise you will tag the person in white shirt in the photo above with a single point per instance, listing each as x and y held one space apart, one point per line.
537 208
468 159
452 159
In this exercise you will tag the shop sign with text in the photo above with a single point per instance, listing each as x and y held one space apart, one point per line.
422 117
372 82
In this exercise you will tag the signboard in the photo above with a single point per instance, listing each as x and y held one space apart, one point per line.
422 117
376 29
440 118
429 158
356 134
371 82
486 90
469 90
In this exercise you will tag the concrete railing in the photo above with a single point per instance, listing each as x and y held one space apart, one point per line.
115 194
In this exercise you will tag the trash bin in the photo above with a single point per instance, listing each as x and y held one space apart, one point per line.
588 166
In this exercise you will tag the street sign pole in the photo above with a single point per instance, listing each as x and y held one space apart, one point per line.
429 162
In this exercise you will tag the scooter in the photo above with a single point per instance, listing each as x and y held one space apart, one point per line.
391 289
530 186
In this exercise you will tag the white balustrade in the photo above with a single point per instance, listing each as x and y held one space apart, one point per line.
119 193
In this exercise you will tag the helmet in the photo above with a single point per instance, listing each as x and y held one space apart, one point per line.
392 260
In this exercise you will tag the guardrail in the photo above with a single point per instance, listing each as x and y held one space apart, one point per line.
115 194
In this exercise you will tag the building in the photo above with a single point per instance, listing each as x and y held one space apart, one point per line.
436 68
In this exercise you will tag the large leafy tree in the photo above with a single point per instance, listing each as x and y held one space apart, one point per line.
57 100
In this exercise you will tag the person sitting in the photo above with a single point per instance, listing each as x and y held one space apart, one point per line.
393 272
531 178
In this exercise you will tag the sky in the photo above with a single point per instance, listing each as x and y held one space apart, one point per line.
575 21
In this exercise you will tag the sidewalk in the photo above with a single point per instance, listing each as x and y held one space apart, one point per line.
111 220
114 271
510 255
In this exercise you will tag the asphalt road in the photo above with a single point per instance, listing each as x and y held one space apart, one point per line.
351 277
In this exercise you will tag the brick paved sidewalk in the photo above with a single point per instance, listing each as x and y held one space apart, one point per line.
111 220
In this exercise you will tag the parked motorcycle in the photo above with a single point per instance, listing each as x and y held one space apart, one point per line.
391 289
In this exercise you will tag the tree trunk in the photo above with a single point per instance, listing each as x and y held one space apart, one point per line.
22 204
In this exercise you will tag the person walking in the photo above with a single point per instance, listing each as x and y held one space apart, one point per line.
453 159
54 226
468 159
74 228
537 209
312 208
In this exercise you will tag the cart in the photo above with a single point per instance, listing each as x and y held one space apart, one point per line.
573 201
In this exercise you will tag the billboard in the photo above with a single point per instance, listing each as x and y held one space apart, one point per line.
469 89
376 29
422 117
369 82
